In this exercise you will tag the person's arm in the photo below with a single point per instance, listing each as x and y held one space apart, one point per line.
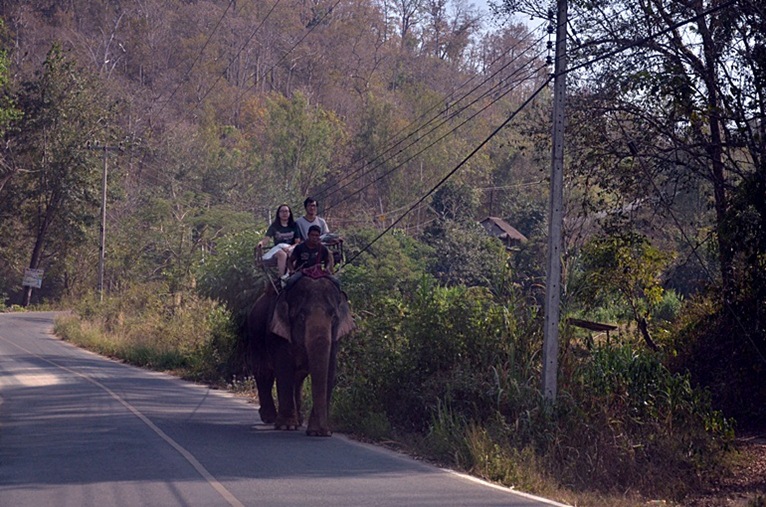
297 235
270 233
262 243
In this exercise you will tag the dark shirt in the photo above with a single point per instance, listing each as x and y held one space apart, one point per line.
282 234
306 257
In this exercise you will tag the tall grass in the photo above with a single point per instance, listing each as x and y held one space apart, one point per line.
148 326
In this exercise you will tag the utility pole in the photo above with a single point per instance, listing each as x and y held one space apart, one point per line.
555 224
102 244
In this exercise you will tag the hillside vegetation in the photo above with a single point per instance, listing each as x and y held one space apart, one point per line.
206 115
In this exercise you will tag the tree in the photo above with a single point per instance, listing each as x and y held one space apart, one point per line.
302 142
9 113
681 103
628 267
57 197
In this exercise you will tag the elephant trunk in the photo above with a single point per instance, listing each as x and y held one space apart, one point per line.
319 347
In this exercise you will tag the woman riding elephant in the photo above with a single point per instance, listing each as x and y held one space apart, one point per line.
295 334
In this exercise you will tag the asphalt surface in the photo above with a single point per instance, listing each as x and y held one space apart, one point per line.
77 429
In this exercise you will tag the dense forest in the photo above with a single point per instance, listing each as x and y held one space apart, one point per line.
411 121
222 110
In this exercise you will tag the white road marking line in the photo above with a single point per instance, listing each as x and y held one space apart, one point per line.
214 483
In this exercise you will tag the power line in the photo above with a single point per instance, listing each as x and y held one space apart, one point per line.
382 162
453 171
434 142
528 101
439 114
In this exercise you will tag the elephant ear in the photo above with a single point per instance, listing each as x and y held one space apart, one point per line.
345 320
280 319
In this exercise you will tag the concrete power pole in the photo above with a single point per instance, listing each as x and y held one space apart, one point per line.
102 244
555 225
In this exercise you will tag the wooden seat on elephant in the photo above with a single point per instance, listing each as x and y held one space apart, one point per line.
334 243
264 263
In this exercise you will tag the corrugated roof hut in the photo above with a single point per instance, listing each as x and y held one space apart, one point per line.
502 230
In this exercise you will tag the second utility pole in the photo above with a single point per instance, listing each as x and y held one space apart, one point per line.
102 244
555 225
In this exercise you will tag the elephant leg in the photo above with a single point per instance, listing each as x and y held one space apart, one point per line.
264 382
319 366
300 377
287 416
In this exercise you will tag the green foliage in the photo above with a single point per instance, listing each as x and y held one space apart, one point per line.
169 236
628 411
451 345
464 254
508 465
51 205
667 310
723 350
9 111
391 267
230 275
455 202
302 142
455 372
621 271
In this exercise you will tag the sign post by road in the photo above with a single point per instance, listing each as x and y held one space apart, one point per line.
33 278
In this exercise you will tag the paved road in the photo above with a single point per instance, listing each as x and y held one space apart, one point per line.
80 430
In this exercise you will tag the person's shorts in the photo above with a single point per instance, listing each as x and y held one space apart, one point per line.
271 253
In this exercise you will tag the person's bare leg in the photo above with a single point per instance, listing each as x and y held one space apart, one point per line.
281 262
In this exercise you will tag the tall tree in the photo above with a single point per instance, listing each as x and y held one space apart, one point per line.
58 197
9 112
303 142
674 99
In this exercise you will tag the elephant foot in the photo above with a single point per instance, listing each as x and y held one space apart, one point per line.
268 416
286 423
318 432
318 426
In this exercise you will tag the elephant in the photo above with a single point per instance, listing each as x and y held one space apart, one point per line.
294 334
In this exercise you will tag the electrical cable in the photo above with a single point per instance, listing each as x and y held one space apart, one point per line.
528 101
400 152
453 171
324 192
434 142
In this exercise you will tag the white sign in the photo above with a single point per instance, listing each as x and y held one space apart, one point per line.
33 278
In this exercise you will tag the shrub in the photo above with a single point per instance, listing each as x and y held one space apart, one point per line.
147 326
632 422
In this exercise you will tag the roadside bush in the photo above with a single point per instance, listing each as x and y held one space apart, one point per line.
231 275
441 351
455 373
723 348
147 326
630 423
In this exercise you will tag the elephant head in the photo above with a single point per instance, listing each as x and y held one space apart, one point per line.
311 316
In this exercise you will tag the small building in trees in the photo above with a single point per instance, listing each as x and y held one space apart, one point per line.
499 228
